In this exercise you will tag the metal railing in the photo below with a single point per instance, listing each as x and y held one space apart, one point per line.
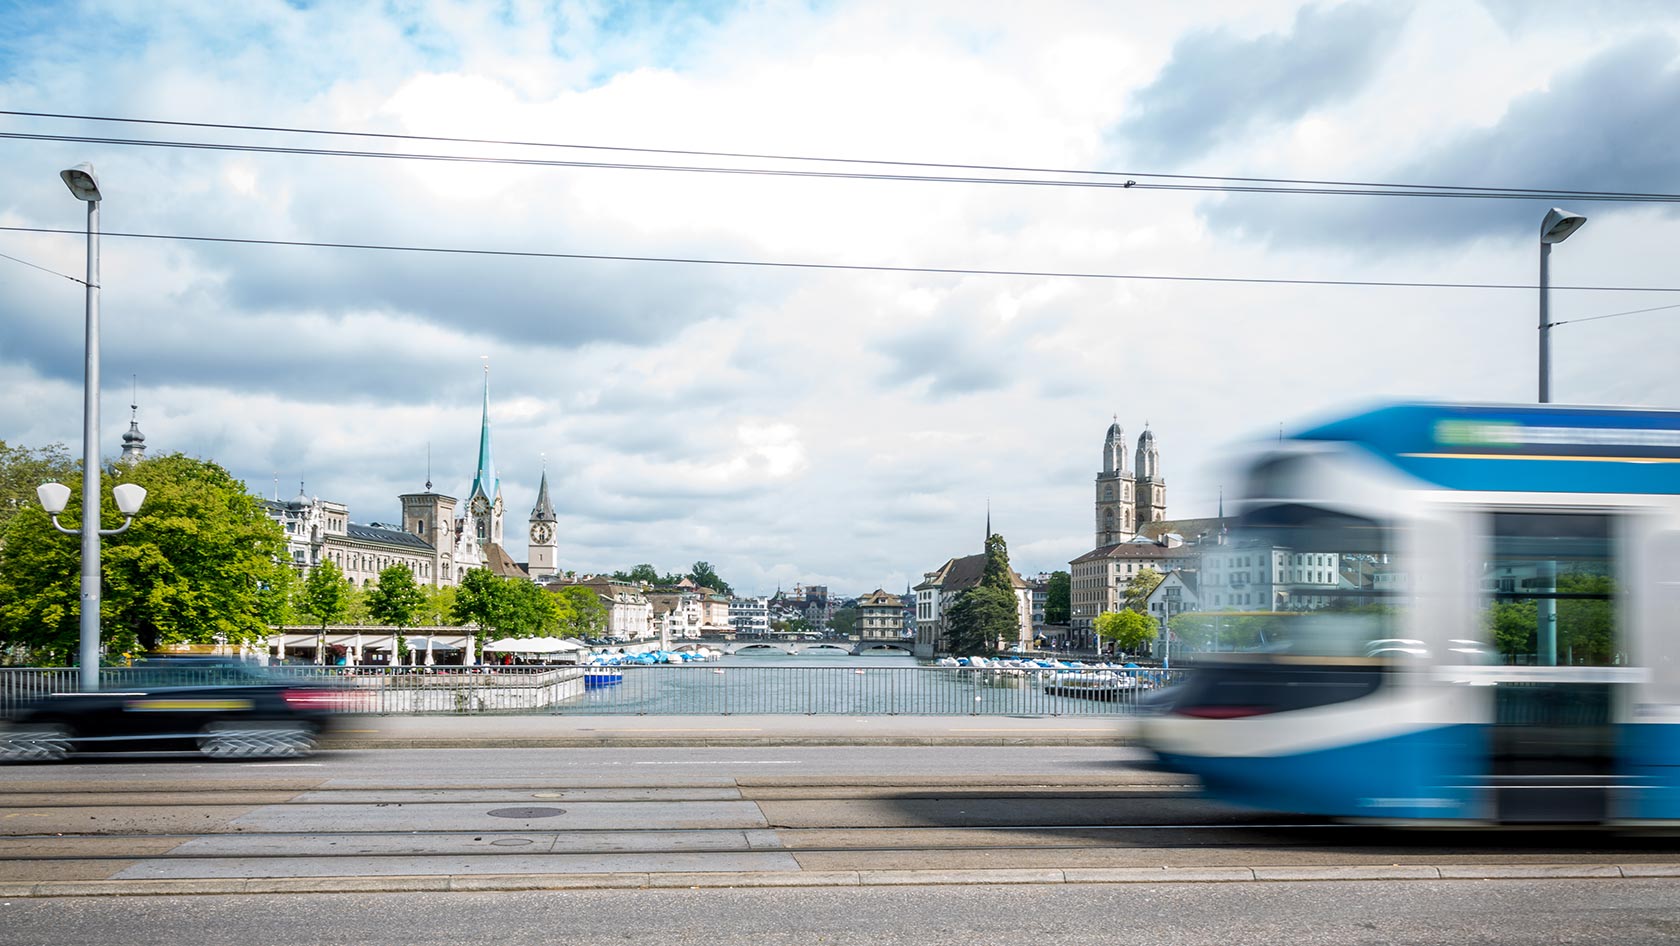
689 689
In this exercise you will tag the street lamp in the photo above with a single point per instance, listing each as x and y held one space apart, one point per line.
85 187
1556 228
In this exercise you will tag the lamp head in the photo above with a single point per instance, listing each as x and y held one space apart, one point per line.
1559 224
129 497
81 181
53 497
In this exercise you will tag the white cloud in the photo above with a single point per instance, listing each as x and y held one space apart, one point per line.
839 427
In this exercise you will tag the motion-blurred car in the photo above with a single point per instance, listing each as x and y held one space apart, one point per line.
223 708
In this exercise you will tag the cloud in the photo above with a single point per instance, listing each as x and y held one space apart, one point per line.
1607 124
1220 86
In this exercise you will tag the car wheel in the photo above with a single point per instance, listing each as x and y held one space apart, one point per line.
36 742
257 739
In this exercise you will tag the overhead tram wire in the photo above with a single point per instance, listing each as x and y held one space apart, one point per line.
1547 193
841 267
1613 315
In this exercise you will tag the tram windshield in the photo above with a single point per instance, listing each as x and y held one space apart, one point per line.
1299 580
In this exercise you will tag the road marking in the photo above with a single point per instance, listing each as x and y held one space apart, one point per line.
25 814
285 765
742 762
633 732
1034 732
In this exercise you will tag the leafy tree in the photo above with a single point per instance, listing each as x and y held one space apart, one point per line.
580 612
325 594
979 618
1129 630
508 607
844 622
1139 588
987 613
702 574
641 573
23 469
200 563
1058 606
396 600
439 607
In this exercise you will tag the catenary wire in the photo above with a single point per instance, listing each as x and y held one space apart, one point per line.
1613 315
886 162
1128 184
844 267
43 269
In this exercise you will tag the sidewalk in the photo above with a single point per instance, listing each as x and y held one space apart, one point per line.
500 732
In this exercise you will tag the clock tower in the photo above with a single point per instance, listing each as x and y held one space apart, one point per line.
543 539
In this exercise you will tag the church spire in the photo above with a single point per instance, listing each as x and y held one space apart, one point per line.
544 510
485 481
988 522
134 442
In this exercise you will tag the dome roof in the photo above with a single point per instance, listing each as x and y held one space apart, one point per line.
300 501
1147 434
133 434
1115 431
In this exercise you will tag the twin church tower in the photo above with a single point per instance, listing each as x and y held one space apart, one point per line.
1128 499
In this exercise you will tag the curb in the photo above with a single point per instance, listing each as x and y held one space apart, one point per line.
668 742
479 883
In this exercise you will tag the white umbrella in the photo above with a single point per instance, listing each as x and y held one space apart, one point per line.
428 651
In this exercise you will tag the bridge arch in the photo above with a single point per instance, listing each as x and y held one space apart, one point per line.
760 645
883 646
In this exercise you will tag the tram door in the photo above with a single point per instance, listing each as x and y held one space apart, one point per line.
1550 586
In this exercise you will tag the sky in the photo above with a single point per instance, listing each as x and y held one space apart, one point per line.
844 427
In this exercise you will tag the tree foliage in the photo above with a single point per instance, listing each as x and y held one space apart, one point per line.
844 621
643 573
579 612
1058 598
396 599
1137 591
22 469
506 607
1129 630
201 563
325 595
986 614
702 574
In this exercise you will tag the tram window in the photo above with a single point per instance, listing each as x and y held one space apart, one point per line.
1552 581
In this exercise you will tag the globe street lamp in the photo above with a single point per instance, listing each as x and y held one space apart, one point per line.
54 497
1556 228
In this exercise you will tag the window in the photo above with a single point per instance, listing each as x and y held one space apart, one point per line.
1555 575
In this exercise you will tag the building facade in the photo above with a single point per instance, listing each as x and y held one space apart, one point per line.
750 617
880 617
939 590
1127 501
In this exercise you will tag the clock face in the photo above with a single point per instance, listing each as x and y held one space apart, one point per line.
479 506
541 533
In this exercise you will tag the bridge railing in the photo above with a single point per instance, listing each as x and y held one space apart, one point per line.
703 689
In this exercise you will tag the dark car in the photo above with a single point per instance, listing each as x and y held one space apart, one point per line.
223 708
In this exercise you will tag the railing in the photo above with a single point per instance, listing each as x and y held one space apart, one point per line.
691 689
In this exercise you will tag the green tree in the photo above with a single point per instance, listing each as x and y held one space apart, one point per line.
395 600
580 612
23 469
641 573
1129 630
844 622
479 599
439 608
987 613
1138 589
702 574
325 595
198 565
507 607
1058 598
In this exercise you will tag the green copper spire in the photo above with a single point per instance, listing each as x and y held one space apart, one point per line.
485 482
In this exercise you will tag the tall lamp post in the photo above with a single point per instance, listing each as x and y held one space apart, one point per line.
1556 228
54 496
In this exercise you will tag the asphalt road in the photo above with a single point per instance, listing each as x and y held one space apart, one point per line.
864 844
1625 912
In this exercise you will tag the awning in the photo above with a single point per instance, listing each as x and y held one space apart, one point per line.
534 645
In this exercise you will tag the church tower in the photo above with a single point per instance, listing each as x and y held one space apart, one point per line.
1115 521
544 547
1151 488
484 501
431 516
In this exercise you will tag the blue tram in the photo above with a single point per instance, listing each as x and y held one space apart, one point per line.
1466 614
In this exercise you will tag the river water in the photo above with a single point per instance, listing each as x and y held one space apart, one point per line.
838 684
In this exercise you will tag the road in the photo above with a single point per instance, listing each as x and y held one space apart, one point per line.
1084 833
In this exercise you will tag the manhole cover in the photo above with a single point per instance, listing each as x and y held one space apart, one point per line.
527 812
511 842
